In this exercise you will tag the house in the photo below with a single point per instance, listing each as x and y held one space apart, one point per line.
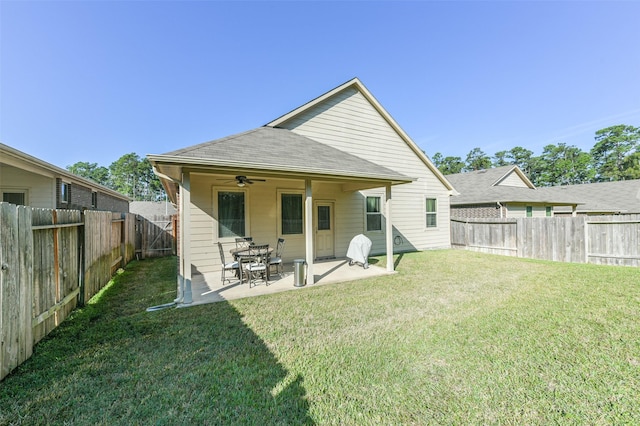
335 167
26 180
602 198
503 192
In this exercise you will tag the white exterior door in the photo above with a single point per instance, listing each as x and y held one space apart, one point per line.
324 228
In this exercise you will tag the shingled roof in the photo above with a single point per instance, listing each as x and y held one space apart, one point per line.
484 187
602 197
274 149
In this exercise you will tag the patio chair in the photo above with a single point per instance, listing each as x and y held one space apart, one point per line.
255 264
277 259
231 266
244 242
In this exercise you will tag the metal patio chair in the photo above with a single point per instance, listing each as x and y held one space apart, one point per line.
231 266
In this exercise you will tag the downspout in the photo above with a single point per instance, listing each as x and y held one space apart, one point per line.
500 207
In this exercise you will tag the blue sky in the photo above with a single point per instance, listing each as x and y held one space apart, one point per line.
94 80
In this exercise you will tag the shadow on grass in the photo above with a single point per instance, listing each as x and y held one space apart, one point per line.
113 362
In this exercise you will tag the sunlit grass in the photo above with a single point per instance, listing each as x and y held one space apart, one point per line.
453 338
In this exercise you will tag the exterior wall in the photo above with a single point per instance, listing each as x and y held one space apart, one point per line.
513 180
348 122
80 198
520 210
483 211
39 189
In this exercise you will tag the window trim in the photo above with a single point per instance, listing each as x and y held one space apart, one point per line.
65 195
380 213
24 192
428 213
94 199
279 193
247 215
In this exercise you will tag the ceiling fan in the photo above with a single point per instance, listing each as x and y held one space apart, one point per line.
243 180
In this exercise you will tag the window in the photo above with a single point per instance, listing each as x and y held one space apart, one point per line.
529 211
549 214
94 199
374 215
432 213
16 198
231 214
64 192
291 214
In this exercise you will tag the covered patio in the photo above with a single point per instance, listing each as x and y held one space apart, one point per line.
209 288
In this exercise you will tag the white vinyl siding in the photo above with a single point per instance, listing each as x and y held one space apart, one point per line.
520 210
350 123
40 189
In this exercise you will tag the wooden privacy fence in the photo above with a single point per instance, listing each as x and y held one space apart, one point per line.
155 236
52 260
609 240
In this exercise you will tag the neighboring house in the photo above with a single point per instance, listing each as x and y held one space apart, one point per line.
603 198
503 192
26 180
327 171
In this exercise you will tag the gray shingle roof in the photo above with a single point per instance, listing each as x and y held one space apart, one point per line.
277 149
477 187
603 197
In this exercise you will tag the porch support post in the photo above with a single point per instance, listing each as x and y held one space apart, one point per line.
185 258
389 229
308 230
180 253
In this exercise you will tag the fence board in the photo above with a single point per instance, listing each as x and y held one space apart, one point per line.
16 246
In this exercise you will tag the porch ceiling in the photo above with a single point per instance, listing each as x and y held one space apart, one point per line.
275 152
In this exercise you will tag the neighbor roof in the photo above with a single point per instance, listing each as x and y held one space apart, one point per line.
603 197
273 149
483 187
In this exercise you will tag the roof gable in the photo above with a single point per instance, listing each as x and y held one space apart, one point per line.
328 100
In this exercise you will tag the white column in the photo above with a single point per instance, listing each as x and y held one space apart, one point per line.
308 230
389 229
180 295
186 237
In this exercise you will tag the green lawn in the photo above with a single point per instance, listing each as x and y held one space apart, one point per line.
453 338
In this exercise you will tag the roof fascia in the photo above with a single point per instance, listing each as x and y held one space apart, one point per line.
285 170
355 82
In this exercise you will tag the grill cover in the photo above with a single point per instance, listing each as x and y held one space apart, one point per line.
359 249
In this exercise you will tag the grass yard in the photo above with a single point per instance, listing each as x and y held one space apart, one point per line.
454 337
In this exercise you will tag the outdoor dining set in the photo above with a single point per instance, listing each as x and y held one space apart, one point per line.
252 262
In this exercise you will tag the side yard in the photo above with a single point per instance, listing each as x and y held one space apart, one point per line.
454 337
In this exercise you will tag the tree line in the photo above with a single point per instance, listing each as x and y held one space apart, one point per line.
614 156
129 175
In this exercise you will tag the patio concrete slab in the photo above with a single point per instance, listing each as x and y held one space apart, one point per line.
209 288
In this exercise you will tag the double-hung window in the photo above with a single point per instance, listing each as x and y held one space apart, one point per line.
374 214
432 213
291 214
232 211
